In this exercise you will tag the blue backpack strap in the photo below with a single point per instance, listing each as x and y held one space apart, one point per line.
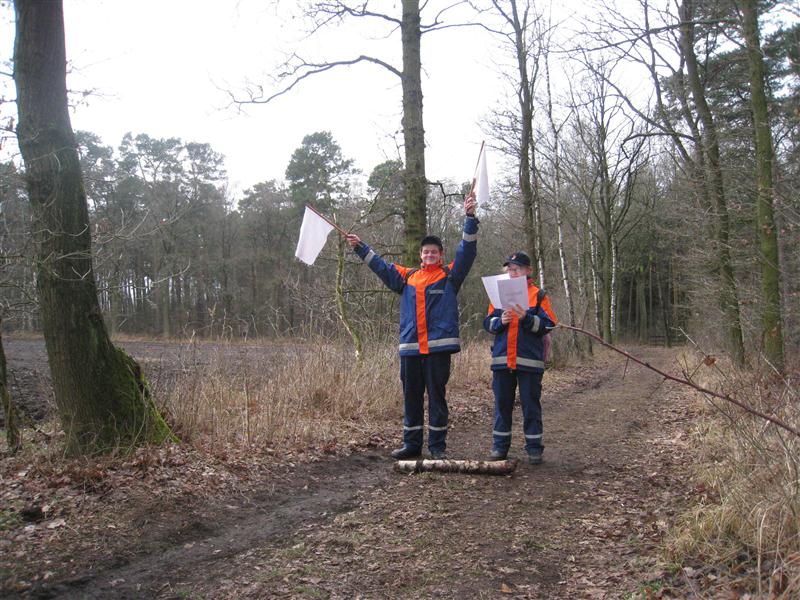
409 273
540 295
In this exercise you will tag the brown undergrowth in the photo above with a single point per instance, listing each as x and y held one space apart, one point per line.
303 395
745 528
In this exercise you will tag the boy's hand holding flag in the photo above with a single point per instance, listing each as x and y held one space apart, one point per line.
315 228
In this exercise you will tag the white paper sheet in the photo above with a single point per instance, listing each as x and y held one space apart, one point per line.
513 291
490 284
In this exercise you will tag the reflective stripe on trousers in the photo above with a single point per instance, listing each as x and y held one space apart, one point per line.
504 386
419 374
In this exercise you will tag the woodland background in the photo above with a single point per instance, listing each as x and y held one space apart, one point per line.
657 194
633 225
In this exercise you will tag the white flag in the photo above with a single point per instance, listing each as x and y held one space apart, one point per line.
482 183
313 234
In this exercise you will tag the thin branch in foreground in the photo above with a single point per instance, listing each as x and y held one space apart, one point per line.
700 389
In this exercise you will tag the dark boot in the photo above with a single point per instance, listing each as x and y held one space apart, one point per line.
535 457
497 455
405 452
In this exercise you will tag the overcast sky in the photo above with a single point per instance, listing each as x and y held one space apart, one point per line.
163 67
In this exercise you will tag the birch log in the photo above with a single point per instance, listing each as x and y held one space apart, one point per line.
477 467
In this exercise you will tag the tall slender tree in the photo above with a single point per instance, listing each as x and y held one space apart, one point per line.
411 27
709 143
771 321
102 396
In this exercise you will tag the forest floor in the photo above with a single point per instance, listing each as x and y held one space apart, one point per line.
339 522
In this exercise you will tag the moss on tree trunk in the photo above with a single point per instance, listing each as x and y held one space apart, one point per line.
101 394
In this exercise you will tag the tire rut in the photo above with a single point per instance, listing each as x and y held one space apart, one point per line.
315 493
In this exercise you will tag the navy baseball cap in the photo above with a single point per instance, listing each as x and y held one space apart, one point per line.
518 258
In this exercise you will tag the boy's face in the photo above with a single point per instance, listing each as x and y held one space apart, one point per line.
518 270
430 254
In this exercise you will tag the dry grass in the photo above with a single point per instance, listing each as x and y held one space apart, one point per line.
749 471
309 395
296 396
471 366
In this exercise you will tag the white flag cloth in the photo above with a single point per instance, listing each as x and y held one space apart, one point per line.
313 234
482 183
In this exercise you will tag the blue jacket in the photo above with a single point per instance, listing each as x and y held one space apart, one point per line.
428 303
518 344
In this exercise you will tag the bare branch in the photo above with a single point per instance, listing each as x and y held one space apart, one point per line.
335 9
312 69
700 389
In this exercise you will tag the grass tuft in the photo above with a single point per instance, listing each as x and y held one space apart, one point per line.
748 479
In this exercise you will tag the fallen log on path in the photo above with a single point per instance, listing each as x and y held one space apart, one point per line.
477 467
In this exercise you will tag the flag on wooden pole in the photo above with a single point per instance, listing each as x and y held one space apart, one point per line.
313 235
482 183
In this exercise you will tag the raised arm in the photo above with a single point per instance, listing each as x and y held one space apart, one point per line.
468 247
391 275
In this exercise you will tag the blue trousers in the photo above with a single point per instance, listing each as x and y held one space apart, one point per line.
419 373
504 386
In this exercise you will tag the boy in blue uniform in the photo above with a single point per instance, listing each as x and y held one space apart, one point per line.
428 329
518 355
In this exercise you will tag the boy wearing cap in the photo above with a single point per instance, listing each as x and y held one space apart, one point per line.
518 355
428 329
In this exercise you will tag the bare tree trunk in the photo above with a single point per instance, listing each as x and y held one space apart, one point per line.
593 260
415 218
537 213
115 300
102 396
641 307
729 302
164 307
557 202
612 304
771 319
525 97
13 437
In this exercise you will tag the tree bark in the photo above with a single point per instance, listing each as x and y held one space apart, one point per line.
416 185
593 266
526 132
728 299
772 329
562 256
478 467
102 396
13 438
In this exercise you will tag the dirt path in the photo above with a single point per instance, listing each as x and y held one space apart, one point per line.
585 524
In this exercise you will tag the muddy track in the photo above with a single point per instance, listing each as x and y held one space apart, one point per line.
585 524
207 543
